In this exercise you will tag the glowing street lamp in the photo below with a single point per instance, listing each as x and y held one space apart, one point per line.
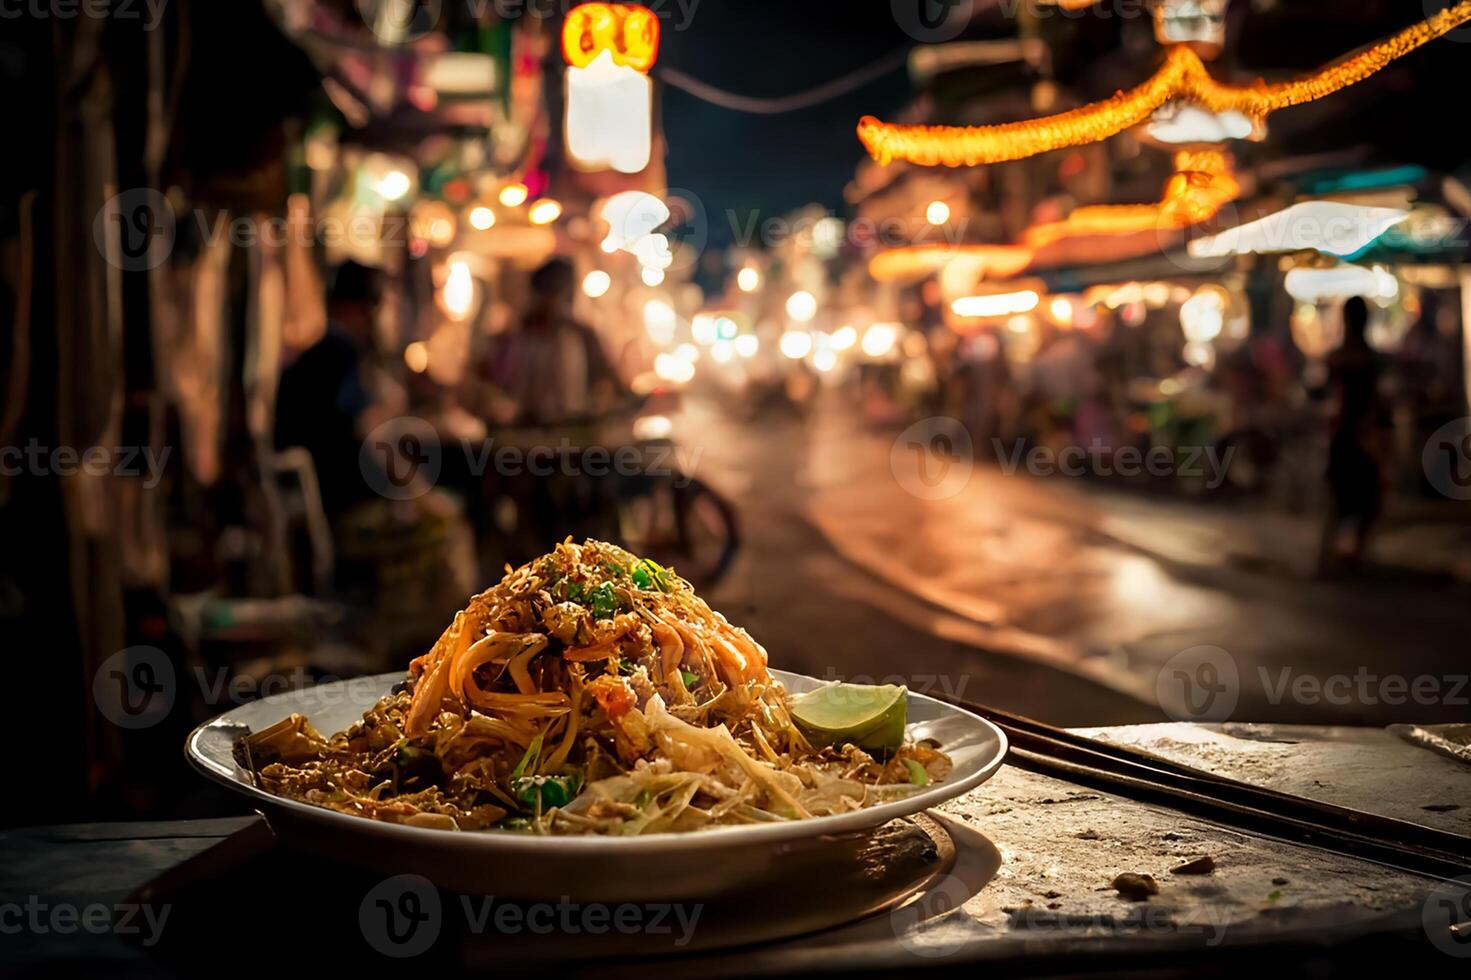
609 50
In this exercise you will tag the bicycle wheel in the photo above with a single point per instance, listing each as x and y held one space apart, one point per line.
681 524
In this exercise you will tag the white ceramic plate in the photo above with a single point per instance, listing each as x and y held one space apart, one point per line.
664 866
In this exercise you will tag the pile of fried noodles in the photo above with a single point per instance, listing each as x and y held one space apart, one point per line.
589 692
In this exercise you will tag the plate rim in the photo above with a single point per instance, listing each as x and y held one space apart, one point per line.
494 841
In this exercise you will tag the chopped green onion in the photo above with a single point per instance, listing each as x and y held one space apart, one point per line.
917 774
533 752
547 791
604 601
656 575
689 677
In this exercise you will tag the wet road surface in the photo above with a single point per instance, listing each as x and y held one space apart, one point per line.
1062 599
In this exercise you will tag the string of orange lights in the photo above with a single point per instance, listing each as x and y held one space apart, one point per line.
1203 182
1182 77
907 263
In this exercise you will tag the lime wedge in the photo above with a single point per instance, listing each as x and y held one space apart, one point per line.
870 716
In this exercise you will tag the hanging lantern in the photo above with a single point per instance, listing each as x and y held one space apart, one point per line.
609 50
630 35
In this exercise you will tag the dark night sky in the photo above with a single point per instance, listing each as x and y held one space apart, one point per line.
771 48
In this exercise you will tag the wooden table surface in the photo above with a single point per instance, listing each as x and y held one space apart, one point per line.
1032 888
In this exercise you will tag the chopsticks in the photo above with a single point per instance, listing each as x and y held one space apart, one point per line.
1140 775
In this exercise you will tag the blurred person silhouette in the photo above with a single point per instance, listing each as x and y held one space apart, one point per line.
324 394
1355 479
551 375
552 367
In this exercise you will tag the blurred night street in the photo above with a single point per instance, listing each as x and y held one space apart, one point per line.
1057 598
